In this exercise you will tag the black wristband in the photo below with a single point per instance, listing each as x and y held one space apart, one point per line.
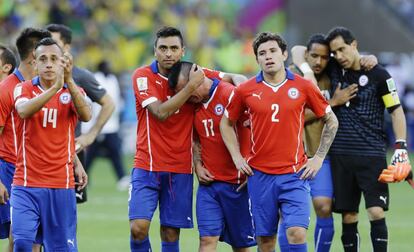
400 145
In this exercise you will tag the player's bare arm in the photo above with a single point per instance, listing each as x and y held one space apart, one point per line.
107 107
164 110
4 195
230 139
28 107
81 105
80 174
298 58
399 124
234 78
203 175
368 62
327 137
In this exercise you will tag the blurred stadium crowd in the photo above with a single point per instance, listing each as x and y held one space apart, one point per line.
218 34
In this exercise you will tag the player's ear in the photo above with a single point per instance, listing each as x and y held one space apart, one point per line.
6 68
285 55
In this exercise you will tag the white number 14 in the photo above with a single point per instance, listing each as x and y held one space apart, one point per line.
49 116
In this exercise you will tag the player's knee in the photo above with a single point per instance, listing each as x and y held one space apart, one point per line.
323 210
350 217
139 230
169 234
375 213
208 243
23 245
296 235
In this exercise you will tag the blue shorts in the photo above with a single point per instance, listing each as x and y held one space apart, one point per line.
6 177
321 185
221 211
173 192
270 194
45 211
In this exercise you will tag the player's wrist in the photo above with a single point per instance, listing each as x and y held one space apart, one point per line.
400 144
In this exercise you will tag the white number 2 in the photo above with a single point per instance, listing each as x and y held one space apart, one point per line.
209 128
275 108
49 116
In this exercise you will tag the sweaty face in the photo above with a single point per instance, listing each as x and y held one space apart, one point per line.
168 51
48 62
345 54
270 57
318 57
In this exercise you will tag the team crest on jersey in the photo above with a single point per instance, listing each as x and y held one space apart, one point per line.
219 109
65 98
293 93
363 80
142 83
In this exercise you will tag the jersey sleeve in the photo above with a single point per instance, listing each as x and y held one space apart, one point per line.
315 100
21 93
213 74
387 90
235 106
88 82
145 89
6 106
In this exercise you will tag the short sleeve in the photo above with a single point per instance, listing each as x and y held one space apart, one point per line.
315 100
387 89
213 74
21 93
145 89
6 106
235 106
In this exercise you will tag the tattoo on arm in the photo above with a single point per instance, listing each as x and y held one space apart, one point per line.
328 134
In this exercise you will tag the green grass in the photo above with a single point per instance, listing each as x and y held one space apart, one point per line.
103 220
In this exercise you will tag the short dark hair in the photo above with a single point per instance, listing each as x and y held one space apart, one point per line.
64 31
346 34
268 36
47 42
169 32
28 39
7 57
318 38
180 68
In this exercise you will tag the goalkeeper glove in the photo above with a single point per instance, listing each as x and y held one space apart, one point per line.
395 173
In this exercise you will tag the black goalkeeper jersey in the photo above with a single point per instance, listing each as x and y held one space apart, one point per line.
361 121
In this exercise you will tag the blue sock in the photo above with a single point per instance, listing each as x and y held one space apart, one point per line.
282 238
298 247
140 246
170 246
23 245
324 232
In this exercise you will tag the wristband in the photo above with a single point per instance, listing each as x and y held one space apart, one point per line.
400 144
305 68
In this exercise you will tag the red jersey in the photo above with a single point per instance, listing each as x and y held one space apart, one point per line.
277 120
9 119
44 158
214 154
162 146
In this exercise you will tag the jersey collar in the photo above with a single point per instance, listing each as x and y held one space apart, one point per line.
154 67
36 82
19 75
213 86
289 76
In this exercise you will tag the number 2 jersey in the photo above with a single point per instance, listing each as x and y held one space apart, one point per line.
162 145
214 154
45 155
277 120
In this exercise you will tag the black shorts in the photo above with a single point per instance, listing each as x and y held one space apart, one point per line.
353 175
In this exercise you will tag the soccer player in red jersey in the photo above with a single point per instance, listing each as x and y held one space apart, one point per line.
277 164
10 123
43 185
222 210
7 62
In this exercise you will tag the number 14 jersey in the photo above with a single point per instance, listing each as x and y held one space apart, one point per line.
45 155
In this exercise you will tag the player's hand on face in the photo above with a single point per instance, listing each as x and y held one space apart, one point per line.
368 62
343 95
4 195
242 165
204 176
312 167
196 77
67 63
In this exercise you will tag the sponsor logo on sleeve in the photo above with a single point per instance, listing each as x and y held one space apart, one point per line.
391 85
142 83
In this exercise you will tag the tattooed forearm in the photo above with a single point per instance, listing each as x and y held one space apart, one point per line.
328 134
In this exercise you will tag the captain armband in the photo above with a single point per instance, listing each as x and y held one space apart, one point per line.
391 99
